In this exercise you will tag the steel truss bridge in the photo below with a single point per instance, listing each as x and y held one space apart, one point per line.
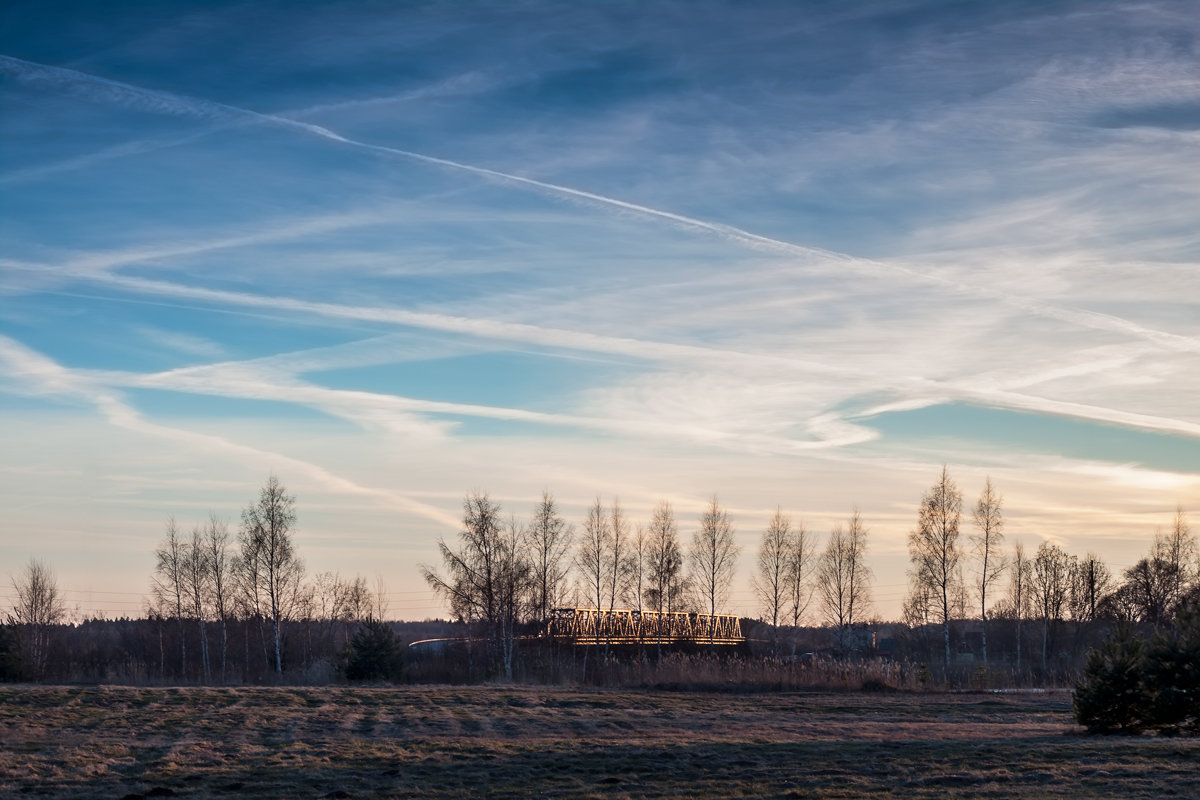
594 626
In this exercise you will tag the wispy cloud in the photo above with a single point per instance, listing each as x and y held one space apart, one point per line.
42 376
749 371
181 342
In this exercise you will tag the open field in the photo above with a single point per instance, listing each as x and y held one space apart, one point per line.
534 742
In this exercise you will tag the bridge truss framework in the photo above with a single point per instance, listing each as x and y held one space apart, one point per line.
593 626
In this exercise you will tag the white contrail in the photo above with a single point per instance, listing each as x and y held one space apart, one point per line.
165 102
295 229
469 81
100 156
178 105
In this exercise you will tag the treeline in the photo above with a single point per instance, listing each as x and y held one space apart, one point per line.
1070 602
1042 610
222 608
238 606
146 651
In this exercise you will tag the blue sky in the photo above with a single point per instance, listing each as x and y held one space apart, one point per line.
794 254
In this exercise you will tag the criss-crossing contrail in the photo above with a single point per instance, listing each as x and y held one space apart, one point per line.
159 101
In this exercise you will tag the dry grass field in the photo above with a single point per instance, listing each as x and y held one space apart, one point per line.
121 742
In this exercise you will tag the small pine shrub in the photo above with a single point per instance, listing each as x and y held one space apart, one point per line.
10 655
373 654
924 676
1173 677
1111 697
1129 686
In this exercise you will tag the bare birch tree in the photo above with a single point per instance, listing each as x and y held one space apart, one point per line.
960 603
637 569
618 554
357 601
220 568
669 588
550 540
196 580
592 560
843 579
326 607
833 584
1049 582
248 583
934 550
1090 583
514 591
1153 587
37 609
1176 551
486 578
802 561
637 583
1019 593
917 612
860 573
267 528
380 605
987 541
168 583
770 581
713 559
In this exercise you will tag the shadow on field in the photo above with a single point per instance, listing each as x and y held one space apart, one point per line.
1027 767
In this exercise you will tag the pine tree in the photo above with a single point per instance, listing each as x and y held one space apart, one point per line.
373 654
1111 697
10 655
1172 675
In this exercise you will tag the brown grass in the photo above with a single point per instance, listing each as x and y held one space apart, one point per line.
523 742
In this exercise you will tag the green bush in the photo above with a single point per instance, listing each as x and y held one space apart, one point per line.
373 654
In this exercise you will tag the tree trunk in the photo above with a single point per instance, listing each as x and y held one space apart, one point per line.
224 648
182 643
262 638
278 652
983 615
946 639
946 627
206 670
1018 645
1045 638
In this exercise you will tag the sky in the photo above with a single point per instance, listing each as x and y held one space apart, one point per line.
794 255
